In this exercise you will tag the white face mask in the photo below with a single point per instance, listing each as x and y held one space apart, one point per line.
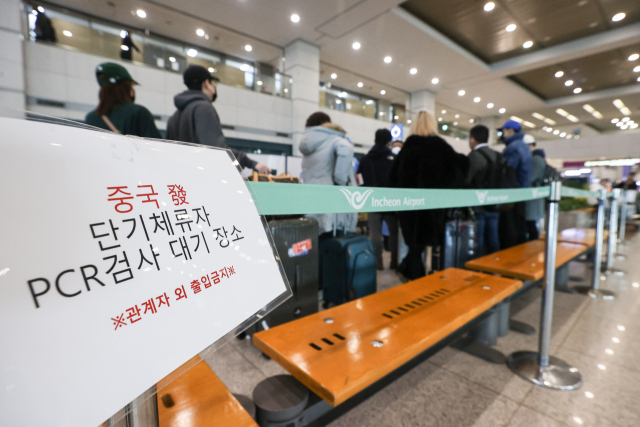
395 150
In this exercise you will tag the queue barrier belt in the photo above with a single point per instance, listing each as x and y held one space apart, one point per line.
296 199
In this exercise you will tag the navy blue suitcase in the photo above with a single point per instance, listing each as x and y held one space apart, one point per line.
348 269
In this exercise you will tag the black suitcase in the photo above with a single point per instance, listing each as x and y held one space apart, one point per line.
460 243
297 243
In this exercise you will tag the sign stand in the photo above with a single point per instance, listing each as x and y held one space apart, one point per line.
613 233
539 367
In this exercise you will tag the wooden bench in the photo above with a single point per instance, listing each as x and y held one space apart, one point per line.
583 236
341 351
526 261
199 399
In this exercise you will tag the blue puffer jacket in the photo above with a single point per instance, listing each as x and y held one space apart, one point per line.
518 156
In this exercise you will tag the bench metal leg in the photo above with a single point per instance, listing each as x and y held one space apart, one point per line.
479 349
540 367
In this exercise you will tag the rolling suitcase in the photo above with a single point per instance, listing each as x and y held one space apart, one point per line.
297 243
460 243
349 269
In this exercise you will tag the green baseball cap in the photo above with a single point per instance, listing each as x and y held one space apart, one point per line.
110 73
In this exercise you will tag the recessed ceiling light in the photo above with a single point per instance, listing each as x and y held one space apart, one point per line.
295 18
527 44
172 59
549 121
413 70
502 111
409 121
573 118
200 32
343 94
489 6
568 83
516 118
538 116
624 127
470 120
192 53
443 111
511 27
124 47
355 45
490 105
123 34
618 17
620 124
439 119
559 73
455 123
435 80
141 13
476 99
634 57
248 48
67 33
338 101
461 93
637 69
562 112
382 92
618 103
360 84
396 117
577 90
40 9
457 116
549 129
259 82
555 132
638 79
387 59
334 76
588 108
563 134
212 70
614 120
625 119
633 126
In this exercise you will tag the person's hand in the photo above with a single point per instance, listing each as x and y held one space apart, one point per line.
264 169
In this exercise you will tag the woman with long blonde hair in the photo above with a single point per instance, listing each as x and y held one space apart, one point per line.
425 161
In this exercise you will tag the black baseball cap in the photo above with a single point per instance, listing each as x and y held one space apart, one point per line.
196 74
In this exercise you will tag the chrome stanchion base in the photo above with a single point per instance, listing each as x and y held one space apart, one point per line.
595 293
620 256
559 375
615 272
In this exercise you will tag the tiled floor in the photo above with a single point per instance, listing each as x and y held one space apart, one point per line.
453 389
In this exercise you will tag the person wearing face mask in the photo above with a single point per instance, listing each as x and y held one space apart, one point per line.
197 121
116 110
396 146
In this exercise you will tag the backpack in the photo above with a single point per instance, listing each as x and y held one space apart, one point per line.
550 174
499 176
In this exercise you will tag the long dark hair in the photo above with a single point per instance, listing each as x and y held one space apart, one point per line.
317 119
114 95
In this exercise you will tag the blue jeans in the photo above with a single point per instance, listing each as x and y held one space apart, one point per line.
488 231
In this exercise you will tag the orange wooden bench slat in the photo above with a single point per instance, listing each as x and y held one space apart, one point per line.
200 399
526 261
583 236
337 360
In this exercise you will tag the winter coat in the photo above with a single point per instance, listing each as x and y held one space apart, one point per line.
518 156
426 162
129 119
197 121
479 166
534 209
375 166
327 161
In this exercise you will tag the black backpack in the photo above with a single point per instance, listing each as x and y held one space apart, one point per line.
499 176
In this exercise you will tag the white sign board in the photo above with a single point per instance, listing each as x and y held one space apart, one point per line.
121 258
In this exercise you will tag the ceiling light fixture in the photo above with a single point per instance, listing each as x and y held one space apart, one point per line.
470 120
528 124
455 123
559 74
435 80
212 70
555 132
443 111
549 121
355 45
490 105
172 59
618 17
633 126
476 99
577 90
439 119
625 119
598 115
200 32
588 108
563 134
511 28
538 116
360 84
549 129
343 94
625 111
248 48
562 112
40 9
67 33
382 92
334 76
568 83
387 59
295 18
409 121
461 93
124 47
618 103
245 67
620 124
517 119
259 82
502 111
614 120
192 53
457 116
572 118
637 69
489 6
413 71
527 44
634 57
141 13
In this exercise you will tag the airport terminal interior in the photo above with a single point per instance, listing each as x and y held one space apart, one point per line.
484 275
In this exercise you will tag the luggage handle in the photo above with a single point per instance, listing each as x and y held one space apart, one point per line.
353 273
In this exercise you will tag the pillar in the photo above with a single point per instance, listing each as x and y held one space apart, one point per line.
423 100
492 123
12 97
303 65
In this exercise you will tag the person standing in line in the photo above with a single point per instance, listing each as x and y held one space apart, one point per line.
513 227
197 121
534 209
327 160
481 160
116 110
127 54
396 146
425 161
374 169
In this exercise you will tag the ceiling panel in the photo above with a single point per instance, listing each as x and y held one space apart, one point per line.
544 22
590 73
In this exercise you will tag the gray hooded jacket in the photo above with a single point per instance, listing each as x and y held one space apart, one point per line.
326 160
197 121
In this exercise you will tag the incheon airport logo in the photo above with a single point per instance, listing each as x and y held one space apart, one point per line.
356 199
482 196
537 192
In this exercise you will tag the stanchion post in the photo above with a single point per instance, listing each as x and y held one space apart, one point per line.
594 290
613 233
623 216
540 367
